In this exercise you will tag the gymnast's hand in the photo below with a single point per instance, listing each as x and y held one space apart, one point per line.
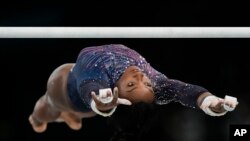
215 106
108 106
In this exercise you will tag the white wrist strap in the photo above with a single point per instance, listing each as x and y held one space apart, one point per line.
93 106
212 113
208 110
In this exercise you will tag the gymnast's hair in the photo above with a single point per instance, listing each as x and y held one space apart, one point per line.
133 122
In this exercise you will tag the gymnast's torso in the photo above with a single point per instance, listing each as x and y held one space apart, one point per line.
101 67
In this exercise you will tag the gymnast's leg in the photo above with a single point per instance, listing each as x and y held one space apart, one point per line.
43 113
55 105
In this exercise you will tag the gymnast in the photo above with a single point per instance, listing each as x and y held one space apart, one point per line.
104 77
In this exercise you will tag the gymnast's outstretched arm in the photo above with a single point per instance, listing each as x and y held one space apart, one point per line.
191 95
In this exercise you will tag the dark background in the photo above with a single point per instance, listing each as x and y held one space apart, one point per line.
125 13
220 65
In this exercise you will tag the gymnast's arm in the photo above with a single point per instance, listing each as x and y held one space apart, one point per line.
167 90
86 98
192 96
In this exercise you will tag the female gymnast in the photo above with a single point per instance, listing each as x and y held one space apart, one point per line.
104 77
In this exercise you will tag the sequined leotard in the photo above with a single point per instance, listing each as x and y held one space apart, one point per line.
101 67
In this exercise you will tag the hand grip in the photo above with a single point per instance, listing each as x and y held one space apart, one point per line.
103 95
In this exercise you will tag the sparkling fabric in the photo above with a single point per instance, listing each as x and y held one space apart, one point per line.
101 67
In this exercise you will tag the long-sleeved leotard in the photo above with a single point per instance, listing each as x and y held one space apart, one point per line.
102 66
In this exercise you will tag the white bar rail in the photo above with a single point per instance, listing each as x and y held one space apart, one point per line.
124 32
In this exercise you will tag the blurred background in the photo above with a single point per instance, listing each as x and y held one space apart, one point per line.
124 13
220 65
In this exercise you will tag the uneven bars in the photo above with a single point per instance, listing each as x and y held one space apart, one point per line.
124 32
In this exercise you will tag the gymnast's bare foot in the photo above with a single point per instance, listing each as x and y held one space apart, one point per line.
37 126
72 120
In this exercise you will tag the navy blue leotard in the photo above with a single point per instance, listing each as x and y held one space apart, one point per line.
101 67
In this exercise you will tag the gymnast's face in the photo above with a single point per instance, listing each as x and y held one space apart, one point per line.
135 86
